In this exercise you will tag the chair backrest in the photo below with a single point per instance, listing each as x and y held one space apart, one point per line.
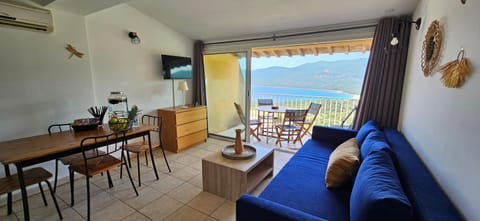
313 111
152 120
240 113
59 128
292 117
263 101
109 144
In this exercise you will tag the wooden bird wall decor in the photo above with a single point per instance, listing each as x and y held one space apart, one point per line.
73 51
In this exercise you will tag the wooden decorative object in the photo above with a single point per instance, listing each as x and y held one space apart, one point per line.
238 141
455 72
431 48
73 51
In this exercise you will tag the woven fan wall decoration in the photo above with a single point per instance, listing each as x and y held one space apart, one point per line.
455 72
431 48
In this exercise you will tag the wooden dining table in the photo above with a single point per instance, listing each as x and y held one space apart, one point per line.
32 150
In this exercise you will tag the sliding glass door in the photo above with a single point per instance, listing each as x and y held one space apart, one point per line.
227 82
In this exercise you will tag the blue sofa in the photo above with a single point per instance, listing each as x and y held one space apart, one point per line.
298 191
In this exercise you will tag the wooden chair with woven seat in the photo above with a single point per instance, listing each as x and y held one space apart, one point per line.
267 119
253 122
60 128
143 146
31 176
312 113
101 161
291 126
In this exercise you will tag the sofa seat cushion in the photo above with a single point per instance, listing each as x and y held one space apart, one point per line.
301 184
377 193
343 164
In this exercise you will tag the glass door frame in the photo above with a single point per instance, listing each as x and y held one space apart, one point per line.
247 94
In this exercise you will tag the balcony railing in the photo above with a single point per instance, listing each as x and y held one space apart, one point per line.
333 113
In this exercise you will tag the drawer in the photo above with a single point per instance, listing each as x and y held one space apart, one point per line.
189 116
192 127
189 140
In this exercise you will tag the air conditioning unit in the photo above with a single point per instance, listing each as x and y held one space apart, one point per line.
26 17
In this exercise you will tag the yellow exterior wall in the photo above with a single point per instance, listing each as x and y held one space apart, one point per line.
225 85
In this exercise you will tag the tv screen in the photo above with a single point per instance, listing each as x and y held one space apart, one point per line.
175 67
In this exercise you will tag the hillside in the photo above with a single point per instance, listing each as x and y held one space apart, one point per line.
346 75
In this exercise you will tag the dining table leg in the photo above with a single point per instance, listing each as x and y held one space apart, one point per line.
9 195
23 188
152 157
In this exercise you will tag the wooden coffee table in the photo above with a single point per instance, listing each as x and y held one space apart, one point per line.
231 178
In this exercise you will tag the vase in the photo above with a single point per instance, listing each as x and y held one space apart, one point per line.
238 142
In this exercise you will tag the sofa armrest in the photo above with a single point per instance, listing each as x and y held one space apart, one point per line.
332 135
250 208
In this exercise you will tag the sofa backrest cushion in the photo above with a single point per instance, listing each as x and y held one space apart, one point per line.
343 164
365 130
428 200
374 141
377 192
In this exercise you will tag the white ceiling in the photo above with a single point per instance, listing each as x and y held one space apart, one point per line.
225 19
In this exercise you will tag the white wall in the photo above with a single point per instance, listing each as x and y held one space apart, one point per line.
441 123
39 84
117 64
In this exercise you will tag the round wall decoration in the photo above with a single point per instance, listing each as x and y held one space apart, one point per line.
431 48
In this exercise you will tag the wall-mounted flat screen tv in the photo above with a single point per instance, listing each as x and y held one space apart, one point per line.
175 67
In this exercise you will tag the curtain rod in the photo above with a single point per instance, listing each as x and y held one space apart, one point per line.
275 37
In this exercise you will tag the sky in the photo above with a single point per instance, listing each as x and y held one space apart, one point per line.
285 61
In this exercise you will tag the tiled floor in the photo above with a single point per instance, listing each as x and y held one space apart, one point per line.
175 196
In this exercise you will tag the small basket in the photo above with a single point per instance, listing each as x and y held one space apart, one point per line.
85 124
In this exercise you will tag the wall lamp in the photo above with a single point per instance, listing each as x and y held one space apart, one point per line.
134 38
417 23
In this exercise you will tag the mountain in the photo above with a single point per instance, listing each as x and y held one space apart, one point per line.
345 75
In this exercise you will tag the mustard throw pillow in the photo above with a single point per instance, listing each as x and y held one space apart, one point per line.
343 164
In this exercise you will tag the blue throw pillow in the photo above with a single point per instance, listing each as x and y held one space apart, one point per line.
375 141
377 192
365 130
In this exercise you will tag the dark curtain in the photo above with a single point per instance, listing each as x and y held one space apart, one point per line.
199 91
382 87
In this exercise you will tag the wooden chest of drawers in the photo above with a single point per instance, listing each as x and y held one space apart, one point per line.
183 127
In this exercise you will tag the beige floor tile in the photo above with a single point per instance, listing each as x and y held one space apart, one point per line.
197 181
187 160
147 195
97 203
4 217
226 212
185 192
116 211
214 147
206 202
167 184
42 212
200 153
124 190
67 213
185 173
136 217
80 191
186 214
197 165
161 208
210 219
